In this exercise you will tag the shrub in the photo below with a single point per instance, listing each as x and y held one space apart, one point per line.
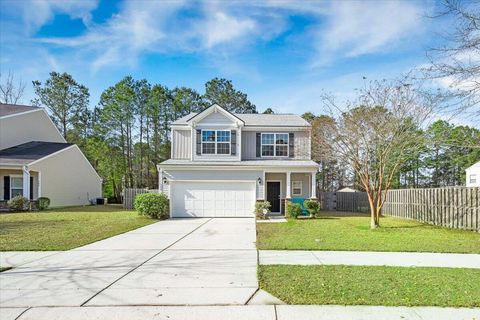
18 203
154 205
294 210
43 203
262 208
313 207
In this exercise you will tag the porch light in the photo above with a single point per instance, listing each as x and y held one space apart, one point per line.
259 181
165 181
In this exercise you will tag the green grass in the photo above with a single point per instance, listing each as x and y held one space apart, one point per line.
65 228
353 233
361 285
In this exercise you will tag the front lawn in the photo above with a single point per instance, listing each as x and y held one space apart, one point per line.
66 228
361 285
335 232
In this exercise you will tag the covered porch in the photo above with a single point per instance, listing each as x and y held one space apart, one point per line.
19 180
282 187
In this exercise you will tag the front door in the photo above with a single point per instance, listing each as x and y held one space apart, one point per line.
273 195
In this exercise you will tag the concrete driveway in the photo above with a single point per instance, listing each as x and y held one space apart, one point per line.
173 262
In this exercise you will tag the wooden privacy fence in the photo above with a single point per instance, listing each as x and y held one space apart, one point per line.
344 201
129 195
455 207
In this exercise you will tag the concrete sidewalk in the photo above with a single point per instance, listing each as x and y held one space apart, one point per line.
398 259
283 312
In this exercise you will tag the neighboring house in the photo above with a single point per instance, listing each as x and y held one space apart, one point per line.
36 161
473 175
222 163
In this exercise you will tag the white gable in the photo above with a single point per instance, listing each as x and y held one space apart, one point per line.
216 118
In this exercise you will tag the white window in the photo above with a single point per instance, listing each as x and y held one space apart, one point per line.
297 188
473 178
274 144
16 186
215 142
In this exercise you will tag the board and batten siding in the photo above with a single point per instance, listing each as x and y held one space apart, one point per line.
302 144
182 144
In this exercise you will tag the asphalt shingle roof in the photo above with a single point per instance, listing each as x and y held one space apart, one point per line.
8 109
266 162
259 119
28 152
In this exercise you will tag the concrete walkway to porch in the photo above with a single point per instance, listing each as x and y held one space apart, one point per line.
366 258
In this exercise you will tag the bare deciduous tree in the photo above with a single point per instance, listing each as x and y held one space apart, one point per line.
375 133
11 91
457 63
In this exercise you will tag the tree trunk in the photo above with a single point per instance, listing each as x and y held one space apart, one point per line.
374 212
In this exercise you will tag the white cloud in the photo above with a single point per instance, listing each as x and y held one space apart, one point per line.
220 27
357 28
224 28
36 13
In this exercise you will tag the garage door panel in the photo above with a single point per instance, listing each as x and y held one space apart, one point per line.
213 199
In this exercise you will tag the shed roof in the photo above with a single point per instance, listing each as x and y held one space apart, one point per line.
9 109
243 163
26 153
259 119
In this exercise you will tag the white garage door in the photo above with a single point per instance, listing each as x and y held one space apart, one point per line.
213 199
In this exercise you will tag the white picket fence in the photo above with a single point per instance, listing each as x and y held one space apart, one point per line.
129 195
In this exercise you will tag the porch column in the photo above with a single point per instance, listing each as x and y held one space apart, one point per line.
26 182
160 181
314 185
288 195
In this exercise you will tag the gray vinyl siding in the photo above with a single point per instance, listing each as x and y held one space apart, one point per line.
305 178
217 175
182 144
302 144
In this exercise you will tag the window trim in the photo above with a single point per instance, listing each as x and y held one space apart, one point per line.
274 144
474 180
11 184
301 188
215 142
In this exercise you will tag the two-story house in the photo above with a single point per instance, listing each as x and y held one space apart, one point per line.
36 161
222 163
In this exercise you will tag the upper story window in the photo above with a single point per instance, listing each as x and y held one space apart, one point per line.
215 142
274 144
473 178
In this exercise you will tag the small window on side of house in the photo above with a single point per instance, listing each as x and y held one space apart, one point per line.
297 188
473 178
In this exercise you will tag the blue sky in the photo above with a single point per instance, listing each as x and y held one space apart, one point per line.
283 54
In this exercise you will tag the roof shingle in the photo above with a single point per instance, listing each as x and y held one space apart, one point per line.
8 109
26 153
259 119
